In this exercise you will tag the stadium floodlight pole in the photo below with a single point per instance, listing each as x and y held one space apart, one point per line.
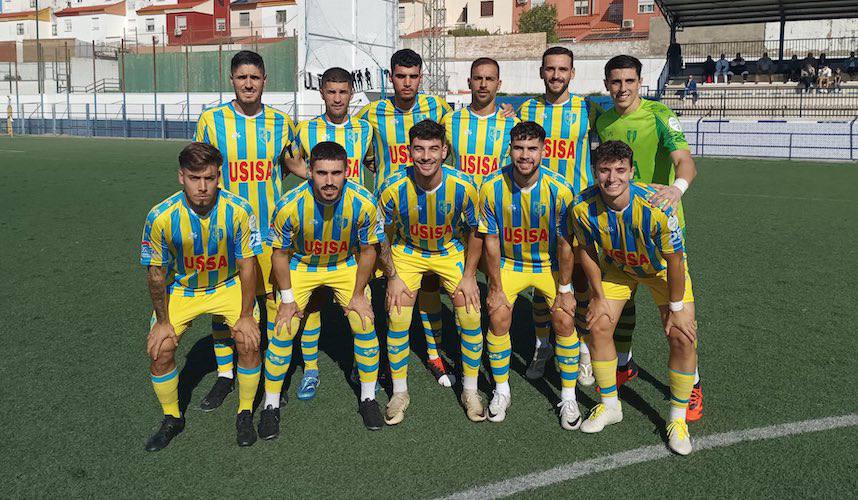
187 92
39 69
122 82
68 81
154 78
94 85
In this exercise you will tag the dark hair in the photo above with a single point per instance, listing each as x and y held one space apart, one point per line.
527 130
406 58
624 62
198 156
336 75
481 61
328 150
558 51
243 57
612 151
426 130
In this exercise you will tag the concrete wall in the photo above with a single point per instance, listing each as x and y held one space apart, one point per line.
825 28
507 47
89 28
637 48
659 34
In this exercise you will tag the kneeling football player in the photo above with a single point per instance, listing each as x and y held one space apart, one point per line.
208 239
627 241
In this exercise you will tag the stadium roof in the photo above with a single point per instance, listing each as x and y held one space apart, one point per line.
688 13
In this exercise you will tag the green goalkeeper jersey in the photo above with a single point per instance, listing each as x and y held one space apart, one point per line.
653 131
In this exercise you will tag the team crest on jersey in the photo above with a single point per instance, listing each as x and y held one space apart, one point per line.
446 208
340 222
570 117
351 136
542 209
265 134
419 117
496 133
631 135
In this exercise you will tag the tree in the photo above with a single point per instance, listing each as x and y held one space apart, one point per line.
542 19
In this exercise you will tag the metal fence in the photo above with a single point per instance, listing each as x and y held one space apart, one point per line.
763 102
753 49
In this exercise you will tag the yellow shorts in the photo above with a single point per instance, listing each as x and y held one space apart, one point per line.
264 278
341 281
224 301
619 285
515 282
412 266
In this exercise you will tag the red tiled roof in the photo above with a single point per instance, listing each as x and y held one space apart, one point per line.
91 9
154 9
423 32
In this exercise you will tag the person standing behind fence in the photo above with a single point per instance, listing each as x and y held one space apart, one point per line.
9 129
250 137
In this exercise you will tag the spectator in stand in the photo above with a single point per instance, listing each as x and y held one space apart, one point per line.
690 89
765 67
793 72
738 66
838 80
850 65
721 67
809 60
708 70
824 76
822 62
808 76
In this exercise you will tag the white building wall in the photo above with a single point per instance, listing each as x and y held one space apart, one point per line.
410 16
9 30
99 27
270 26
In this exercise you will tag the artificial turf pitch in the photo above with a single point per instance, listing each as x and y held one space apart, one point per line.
772 252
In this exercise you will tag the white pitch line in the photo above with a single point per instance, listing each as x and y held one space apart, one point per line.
784 197
11 151
566 472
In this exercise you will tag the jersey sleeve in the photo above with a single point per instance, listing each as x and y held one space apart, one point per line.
370 231
669 129
387 210
202 134
288 133
445 108
580 225
280 231
488 223
248 241
363 114
153 247
564 211
667 232
470 213
296 148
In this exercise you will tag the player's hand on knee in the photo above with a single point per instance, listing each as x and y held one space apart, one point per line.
285 312
496 299
397 290
470 291
162 338
360 305
565 302
246 334
597 310
683 321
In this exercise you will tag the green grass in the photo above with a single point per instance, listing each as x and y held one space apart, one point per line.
773 250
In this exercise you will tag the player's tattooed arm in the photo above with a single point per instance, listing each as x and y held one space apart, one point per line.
468 286
162 331
496 297
286 310
587 256
566 260
385 260
359 302
246 329
396 288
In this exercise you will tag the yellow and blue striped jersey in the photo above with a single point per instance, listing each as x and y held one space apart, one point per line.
527 222
355 135
429 223
250 147
567 141
635 239
325 237
479 144
390 130
200 252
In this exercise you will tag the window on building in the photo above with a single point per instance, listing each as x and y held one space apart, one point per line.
646 6
614 12
20 28
54 29
582 7
487 9
32 4
150 25
68 26
244 19
181 23
401 14
95 24
220 24
281 17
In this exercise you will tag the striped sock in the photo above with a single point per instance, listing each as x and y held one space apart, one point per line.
167 390
500 349
541 319
681 384
366 355
222 347
310 341
471 344
623 333
566 351
248 381
277 360
606 376
429 304
398 349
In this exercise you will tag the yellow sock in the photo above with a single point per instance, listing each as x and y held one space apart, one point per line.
541 319
681 384
500 349
429 304
278 356
471 340
167 389
248 381
222 347
310 341
566 351
365 349
606 376
398 349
